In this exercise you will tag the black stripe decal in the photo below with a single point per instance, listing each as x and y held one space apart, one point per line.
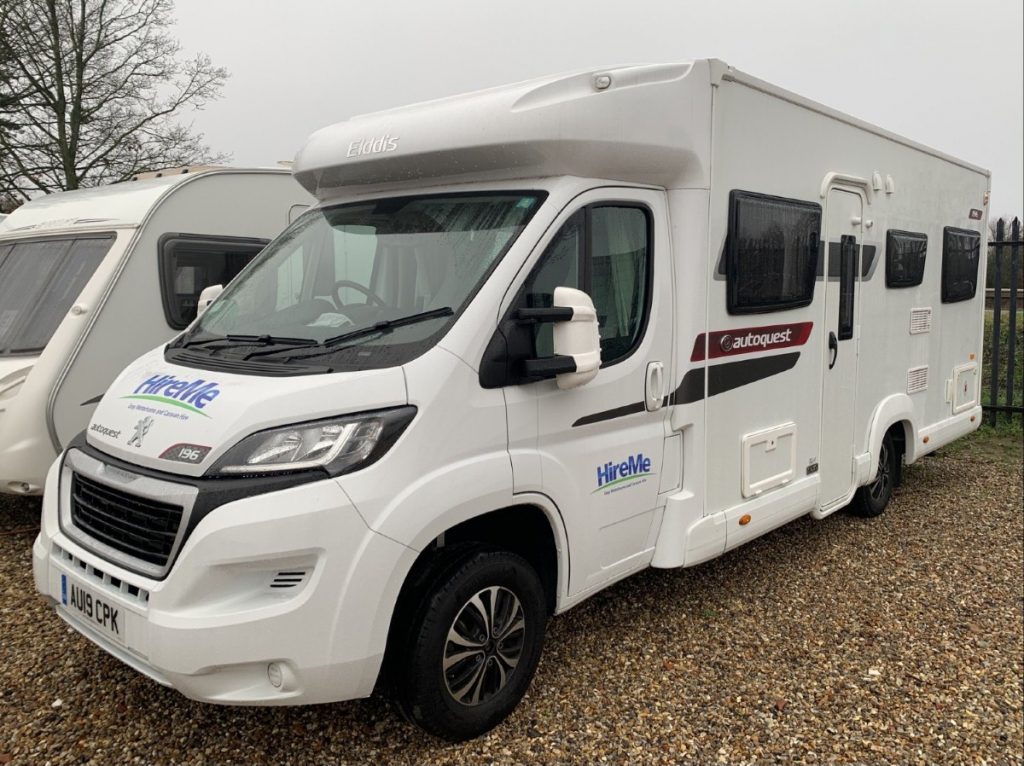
691 388
618 412
726 377
867 263
721 378
94 400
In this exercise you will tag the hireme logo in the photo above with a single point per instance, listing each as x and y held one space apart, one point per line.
632 470
378 145
190 395
755 340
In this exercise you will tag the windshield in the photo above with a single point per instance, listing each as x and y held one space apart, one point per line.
39 280
362 285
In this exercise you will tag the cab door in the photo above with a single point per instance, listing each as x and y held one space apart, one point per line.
597 450
844 232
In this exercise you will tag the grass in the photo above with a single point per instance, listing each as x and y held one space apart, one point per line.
1005 420
999 444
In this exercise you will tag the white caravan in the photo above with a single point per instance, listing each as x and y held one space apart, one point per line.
90 279
530 341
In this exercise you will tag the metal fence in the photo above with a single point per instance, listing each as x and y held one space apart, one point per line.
1005 389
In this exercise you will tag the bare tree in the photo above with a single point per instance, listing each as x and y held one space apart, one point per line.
90 91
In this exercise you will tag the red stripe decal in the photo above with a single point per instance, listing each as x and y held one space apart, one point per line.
749 340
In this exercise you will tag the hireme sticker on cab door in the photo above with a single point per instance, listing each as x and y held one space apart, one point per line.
85 606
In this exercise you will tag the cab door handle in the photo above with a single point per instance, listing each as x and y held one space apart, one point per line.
833 347
654 389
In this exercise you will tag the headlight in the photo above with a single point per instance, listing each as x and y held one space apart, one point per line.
338 445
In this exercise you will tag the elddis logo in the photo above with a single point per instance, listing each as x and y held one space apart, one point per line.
190 395
754 341
376 145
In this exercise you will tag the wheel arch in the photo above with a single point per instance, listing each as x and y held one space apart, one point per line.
530 529
894 412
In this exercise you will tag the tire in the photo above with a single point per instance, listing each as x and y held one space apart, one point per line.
436 678
872 499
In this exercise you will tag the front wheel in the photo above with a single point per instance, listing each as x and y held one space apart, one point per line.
872 499
472 645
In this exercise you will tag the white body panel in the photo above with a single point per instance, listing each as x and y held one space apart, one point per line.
726 425
46 398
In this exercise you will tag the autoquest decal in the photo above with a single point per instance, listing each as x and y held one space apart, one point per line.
189 395
749 340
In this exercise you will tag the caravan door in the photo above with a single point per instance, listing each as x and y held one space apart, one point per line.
844 211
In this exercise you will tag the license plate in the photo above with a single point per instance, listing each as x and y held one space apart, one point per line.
96 611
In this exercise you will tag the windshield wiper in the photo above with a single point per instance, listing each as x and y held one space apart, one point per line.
232 339
377 327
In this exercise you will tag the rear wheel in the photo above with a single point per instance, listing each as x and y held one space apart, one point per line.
472 644
872 499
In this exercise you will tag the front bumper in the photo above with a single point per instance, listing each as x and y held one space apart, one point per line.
212 628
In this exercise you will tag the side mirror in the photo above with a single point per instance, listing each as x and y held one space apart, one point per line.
578 338
206 297
577 341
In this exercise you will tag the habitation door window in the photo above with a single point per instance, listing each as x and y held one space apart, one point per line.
771 252
847 285
604 250
189 264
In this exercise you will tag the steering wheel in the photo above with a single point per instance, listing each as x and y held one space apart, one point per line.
371 296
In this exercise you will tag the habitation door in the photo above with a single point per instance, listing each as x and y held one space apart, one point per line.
844 212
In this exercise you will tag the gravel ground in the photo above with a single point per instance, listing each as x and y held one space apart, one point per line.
894 640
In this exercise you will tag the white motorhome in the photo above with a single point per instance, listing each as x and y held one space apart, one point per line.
90 279
530 341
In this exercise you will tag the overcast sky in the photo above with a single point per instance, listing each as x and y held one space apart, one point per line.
946 73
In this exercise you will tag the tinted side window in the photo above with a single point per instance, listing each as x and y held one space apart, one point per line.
68 281
961 249
618 265
189 264
904 258
558 267
25 270
771 252
39 280
605 251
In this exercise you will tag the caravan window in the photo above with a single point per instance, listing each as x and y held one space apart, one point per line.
771 252
189 264
605 251
904 258
39 281
961 249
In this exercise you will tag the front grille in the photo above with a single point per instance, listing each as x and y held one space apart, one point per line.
139 527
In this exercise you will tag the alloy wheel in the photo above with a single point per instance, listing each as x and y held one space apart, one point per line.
484 645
